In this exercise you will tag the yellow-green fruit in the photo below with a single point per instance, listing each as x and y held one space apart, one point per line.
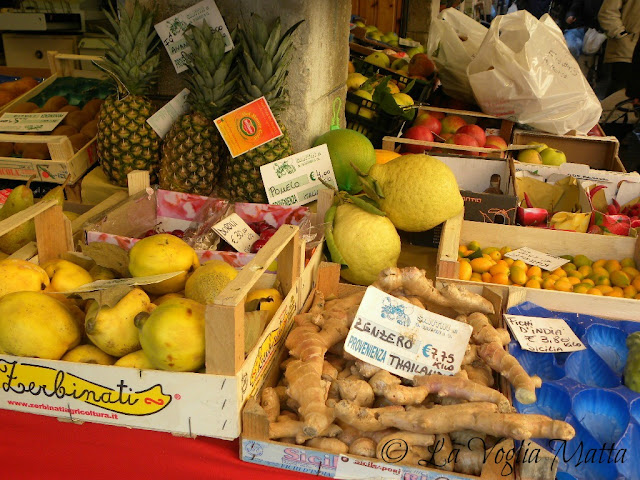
419 191
88 354
65 275
36 325
582 261
101 273
172 337
163 253
368 243
20 275
160 300
620 279
113 329
208 281
137 360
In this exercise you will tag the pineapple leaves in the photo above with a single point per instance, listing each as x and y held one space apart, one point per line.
252 70
272 45
259 29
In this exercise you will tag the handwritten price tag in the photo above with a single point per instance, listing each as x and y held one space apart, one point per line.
534 257
30 122
235 231
404 339
162 120
543 335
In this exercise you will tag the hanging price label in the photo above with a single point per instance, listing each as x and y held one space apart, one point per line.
235 231
163 119
405 339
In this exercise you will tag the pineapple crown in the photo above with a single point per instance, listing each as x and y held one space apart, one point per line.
213 76
132 56
266 56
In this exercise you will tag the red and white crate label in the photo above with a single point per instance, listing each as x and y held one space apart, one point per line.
235 231
350 468
405 339
543 335
536 258
171 31
162 120
295 180
30 122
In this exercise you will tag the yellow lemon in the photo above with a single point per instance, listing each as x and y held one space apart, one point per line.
465 271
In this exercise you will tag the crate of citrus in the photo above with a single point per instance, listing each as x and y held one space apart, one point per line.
578 272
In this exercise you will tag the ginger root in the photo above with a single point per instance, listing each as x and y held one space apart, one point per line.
332 445
363 418
388 385
441 451
357 391
506 364
484 332
363 446
479 372
270 403
365 369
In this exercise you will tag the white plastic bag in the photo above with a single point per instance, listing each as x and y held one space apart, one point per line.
592 42
454 40
525 72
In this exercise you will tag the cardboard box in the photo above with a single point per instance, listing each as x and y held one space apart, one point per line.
207 404
555 242
599 153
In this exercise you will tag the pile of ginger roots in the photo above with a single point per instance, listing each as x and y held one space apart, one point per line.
329 400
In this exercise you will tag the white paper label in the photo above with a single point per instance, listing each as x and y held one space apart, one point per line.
543 335
408 43
235 231
536 258
171 31
30 122
350 468
162 120
295 180
405 339
104 284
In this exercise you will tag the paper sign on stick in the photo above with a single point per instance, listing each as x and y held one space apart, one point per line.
543 335
30 122
536 258
248 127
404 339
163 119
171 31
295 180
235 231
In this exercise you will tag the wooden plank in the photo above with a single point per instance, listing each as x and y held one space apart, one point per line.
448 266
27 214
325 201
53 234
369 10
328 279
391 141
387 15
238 288
137 181
101 208
26 253
255 423
290 263
224 334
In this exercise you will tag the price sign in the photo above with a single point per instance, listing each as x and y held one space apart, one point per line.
30 122
405 339
543 335
235 231
171 31
248 127
534 257
295 180
162 120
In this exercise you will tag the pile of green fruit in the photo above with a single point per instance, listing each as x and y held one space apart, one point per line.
632 367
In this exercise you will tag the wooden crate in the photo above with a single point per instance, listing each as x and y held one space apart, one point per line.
206 404
600 153
255 446
64 162
555 242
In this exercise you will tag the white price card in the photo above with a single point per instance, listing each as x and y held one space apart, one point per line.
543 335
405 339
351 468
119 282
405 42
171 31
30 122
235 231
162 120
295 180
536 258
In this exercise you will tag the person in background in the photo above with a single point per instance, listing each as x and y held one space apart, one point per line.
580 15
633 80
537 8
620 19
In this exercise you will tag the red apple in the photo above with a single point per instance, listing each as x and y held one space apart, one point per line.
446 136
420 132
421 65
438 115
428 121
464 139
495 141
452 123
475 131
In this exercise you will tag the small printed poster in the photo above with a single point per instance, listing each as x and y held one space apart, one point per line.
30 122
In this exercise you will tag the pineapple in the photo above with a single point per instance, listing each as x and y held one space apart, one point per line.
263 68
193 151
126 142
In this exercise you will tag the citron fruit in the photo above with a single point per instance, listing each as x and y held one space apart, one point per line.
36 325
368 243
88 354
419 192
347 147
20 275
137 360
163 253
208 281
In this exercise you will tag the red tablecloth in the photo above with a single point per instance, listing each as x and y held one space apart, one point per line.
35 447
